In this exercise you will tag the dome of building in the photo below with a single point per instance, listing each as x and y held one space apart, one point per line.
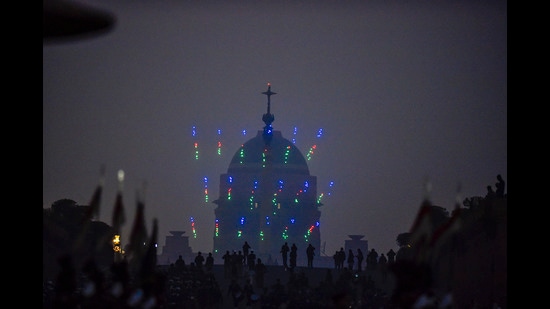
285 157
267 197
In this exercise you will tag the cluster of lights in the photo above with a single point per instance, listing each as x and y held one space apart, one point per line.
253 203
229 194
309 231
219 143
241 155
195 144
285 233
251 199
320 197
274 201
267 129
193 227
264 156
116 244
206 189
287 153
310 152
330 185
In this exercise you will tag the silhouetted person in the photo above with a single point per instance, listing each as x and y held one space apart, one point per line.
341 258
246 250
391 256
209 263
251 260
284 254
351 259
235 265
180 264
336 258
260 271
359 256
199 260
500 186
490 193
293 256
227 264
372 259
240 262
310 253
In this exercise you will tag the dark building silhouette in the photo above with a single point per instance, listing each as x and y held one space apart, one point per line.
267 196
176 245
356 242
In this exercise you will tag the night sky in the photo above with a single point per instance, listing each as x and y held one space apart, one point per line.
403 91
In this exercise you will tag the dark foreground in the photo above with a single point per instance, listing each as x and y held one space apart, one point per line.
190 288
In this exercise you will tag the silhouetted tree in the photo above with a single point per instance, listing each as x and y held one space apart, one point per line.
61 225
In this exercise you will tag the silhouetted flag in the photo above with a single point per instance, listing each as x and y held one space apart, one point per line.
138 235
119 217
443 233
92 211
421 231
150 259
94 206
446 230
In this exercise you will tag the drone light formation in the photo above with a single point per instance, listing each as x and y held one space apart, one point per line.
206 189
268 205
194 231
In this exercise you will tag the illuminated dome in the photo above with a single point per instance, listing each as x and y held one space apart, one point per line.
267 197
285 156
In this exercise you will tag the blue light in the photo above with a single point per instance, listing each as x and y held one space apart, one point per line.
319 133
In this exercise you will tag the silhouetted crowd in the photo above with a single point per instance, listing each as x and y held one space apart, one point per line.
140 283
194 285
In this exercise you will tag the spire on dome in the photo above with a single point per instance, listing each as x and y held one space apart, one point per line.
268 118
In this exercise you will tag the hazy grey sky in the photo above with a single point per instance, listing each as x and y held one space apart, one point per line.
403 90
